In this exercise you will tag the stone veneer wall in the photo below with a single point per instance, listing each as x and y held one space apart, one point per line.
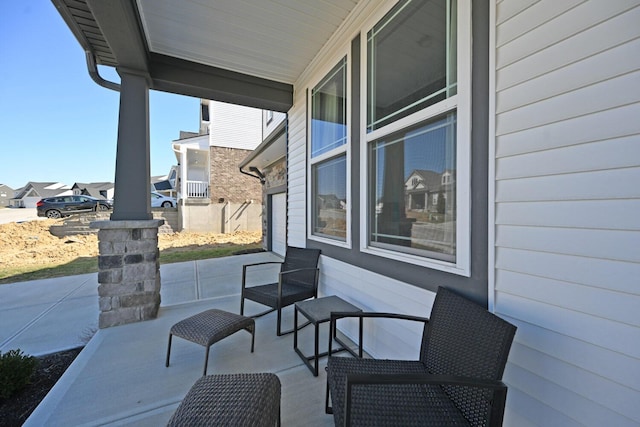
129 271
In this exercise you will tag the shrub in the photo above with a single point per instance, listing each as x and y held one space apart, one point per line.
16 369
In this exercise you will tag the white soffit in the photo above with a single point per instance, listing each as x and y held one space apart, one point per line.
272 39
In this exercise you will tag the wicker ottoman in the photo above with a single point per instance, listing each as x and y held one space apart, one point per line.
210 327
231 400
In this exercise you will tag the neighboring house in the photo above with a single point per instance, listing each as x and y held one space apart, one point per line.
30 194
213 195
102 190
268 164
533 106
6 194
166 184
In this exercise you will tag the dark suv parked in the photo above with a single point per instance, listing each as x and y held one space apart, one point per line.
57 207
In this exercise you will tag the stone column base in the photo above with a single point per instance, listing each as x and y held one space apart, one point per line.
129 271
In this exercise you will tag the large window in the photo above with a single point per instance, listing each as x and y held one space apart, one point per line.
412 194
328 155
417 135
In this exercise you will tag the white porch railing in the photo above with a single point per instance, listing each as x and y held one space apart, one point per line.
197 189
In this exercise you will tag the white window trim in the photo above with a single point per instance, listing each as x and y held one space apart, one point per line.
462 103
345 148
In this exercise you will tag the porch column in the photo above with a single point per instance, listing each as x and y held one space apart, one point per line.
132 197
129 267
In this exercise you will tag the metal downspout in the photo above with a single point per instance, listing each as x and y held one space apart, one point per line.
95 76
258 175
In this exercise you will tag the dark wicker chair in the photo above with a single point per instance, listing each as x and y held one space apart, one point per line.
297 281
456 382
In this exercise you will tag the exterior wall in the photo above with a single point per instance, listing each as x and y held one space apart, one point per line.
275 176
226 181
372 282
6 194
270 121
220 217
567 229
234 126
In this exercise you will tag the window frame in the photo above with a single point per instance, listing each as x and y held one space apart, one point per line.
461 103
344 149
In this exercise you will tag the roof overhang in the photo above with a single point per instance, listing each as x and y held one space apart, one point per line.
248 53
271 150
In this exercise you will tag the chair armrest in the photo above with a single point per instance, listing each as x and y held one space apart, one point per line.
298 270
499 388
335 315
246 266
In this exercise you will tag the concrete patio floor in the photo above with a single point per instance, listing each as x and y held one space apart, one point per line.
120 377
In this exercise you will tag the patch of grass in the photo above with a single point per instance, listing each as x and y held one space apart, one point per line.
85 265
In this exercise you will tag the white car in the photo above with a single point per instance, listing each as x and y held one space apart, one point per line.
160 201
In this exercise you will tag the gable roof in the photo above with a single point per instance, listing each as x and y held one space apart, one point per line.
42 189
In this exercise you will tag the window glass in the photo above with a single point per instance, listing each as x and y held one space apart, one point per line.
411 60
412 184
328 155
329 202
329 111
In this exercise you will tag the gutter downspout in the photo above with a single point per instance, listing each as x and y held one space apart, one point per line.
92 68
258 175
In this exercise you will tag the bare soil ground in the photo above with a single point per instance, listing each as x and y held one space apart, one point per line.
31 243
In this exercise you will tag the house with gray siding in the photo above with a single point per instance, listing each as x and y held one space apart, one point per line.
28 196
531 105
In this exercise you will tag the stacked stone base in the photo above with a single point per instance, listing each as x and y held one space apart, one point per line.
129 271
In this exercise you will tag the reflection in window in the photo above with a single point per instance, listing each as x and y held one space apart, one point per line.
411 60
329 111
329 202
413 190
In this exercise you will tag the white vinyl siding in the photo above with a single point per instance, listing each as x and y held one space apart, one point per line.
297 172
225 130
567 208
377 293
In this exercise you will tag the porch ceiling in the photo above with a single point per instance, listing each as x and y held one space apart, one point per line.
248 52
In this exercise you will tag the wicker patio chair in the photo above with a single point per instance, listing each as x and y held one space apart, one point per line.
455 382
297 281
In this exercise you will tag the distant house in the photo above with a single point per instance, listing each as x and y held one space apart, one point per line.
6 194
166 184
214 195
102 190
428 190
28 196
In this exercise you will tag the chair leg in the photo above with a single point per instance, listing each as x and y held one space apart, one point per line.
253 337
168 352
206 361
278 325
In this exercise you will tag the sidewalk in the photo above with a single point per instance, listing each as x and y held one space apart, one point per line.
45 316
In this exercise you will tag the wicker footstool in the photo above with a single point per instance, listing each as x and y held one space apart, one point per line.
210 327
231 400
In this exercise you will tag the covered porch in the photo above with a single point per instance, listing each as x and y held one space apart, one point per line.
120 377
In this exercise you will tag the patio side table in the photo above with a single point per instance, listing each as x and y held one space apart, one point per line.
318 311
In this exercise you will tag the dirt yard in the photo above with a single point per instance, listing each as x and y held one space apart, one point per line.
30 242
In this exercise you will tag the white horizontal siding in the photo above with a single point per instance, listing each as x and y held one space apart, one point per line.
234 126
296 173
591 41
377 293
567 208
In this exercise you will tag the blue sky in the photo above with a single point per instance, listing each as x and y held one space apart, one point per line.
56 124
